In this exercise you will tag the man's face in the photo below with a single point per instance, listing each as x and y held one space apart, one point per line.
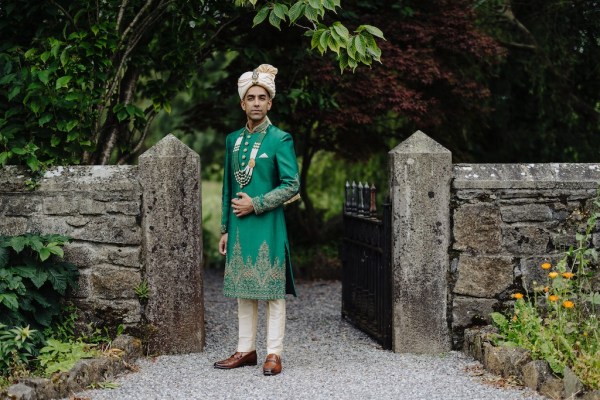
256 103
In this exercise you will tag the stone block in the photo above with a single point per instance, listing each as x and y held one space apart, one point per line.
591 395
573 385
84 285
467 311
483 276
43 387
124 207
477 228
525 239
111 282
420 175
531 270
125 256
474 338
12 226
553 388
505 361
132 347
22 205
20 391
88 206
526 213
169 175
110 313
116 229
535 373
60 205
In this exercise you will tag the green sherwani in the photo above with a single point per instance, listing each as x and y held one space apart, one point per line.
258 262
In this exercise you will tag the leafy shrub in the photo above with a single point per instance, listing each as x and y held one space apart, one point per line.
17 349
559 321
58 356
32 283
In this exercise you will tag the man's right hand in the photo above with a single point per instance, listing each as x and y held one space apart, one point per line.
223 244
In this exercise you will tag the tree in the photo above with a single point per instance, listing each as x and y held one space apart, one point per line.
82 81
430 81
547 95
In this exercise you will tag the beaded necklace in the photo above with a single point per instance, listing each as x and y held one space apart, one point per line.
243 176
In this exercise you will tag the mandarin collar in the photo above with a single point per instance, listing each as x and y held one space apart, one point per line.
260 128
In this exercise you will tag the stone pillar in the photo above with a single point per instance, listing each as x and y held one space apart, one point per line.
172 246
420 173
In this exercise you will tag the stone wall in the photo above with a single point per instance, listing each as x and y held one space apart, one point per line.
129 224
467 236
507 220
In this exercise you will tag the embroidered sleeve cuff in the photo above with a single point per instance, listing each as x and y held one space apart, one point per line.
223 229
258 204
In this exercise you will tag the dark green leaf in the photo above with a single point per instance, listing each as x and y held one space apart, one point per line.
341 30
3 257
373 30
72 124
260 16
274 20
45 119
44 76
54 141
4 157
280 10
44 254
296 11
14 92
7 78
45 56
19 151
63 81
9 300
39 278
33 163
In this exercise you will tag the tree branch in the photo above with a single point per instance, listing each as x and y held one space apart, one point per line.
127 157
65 12
121 12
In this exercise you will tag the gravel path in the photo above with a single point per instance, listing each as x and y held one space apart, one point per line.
325 358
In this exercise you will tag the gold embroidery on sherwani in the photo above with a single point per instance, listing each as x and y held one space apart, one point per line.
263 279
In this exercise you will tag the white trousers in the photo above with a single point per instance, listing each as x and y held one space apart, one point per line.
248 319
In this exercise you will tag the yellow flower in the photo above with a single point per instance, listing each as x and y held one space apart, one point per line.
546 289
568 275
585 334
514 318
546 266
553 297
517 296
553 275
568 304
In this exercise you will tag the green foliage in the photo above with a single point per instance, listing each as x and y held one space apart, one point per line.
351 49
59 356
142 290
16 349
32 283
559 323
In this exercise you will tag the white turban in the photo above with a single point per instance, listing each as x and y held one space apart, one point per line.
263 76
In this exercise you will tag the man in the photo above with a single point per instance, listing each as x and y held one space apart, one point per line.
261 174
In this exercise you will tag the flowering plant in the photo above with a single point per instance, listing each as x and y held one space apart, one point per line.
558 322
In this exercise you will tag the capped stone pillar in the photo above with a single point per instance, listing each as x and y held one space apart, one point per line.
420 174
172 246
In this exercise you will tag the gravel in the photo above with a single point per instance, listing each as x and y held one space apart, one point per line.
324 358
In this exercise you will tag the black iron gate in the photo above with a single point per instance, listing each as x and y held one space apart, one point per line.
366 279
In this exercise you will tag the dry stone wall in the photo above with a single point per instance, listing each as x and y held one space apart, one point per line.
129 224
507 219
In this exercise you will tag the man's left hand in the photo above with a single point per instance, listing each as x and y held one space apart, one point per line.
242 205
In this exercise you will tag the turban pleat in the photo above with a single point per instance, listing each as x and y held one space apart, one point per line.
263 76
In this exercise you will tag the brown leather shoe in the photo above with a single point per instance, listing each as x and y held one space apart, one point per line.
272 365
237 360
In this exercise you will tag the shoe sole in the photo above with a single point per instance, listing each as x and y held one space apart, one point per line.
239 366
270 373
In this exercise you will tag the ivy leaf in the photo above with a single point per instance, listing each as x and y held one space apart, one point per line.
63 81
260 16
17 242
